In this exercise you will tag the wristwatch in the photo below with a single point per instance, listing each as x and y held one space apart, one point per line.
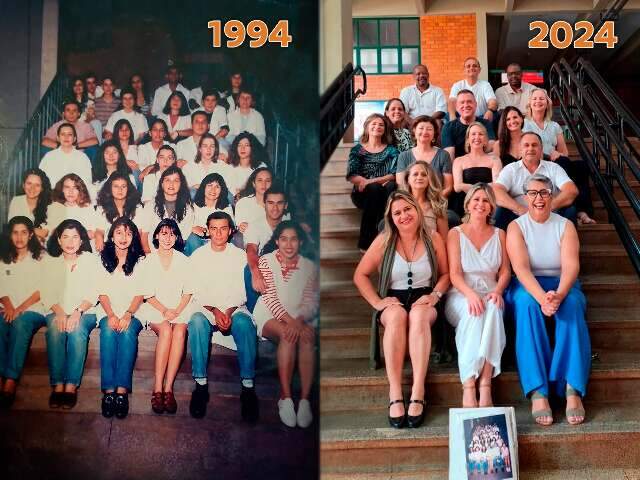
437 294
79 310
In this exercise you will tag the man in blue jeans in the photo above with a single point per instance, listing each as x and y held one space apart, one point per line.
217 283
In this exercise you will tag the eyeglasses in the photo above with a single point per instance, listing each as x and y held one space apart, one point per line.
532 194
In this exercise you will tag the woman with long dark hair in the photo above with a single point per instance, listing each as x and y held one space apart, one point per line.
176 116
78 92
165 158
509 134
148 152
121 290
35 201
69 293
245 155
21 312
127 111
109 159
142 100
167 271
250 207
124 136
206 162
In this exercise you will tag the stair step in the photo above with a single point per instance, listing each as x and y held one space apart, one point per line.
362 441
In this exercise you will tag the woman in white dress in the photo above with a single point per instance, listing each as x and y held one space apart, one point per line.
479 269
34 204
71 200
166 273
285 313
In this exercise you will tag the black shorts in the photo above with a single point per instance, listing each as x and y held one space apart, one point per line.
407 297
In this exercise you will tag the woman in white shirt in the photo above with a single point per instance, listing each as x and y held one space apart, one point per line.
147 152
172 200
250 207
121 291
124 137
71 200
68 293
166 273
127 111
34 204
245 155
109 159
212 195
21 312
285 313
206 162
165 158
176 116
66 158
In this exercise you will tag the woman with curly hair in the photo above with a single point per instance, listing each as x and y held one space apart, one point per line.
172 200
71 200
177 117
21 313
422 182
35 201
245 155
250 207
121 291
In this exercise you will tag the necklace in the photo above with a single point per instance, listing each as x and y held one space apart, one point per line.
409 261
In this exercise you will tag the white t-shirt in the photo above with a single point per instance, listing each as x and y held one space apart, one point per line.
137 120
482 90
253 123
238 178
150 186
102 223
19 207
147 154
95 187
423 103
202 213
513 176
56 164
543 241
150 219
259 233
19 280
549 133
183 123
162 94
132 153
187 149
121 289
248 209
218 119
195 172
58 212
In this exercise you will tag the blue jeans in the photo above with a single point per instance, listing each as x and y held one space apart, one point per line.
118 354
193 243
67 351
244 333
252 295
14 342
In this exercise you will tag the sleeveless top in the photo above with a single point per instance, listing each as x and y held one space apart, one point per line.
480 267
420 269
474 175
507 158
543 243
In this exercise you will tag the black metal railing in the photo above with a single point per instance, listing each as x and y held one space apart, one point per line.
601 125
337 109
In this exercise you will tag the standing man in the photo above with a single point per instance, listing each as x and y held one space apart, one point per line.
217 273
516 92
174 77
486 103
423 98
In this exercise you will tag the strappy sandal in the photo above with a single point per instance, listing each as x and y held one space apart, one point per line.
469 387
486 385
538 415
574 413
397 422
414 421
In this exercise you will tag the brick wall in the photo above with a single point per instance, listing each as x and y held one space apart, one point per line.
445 41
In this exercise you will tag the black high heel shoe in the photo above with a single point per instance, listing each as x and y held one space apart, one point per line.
414 421
397 422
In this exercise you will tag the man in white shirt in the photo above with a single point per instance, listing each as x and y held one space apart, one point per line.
246 119
511 184
217 277
187 149
173 76
516 92
423 98
257 236
487 105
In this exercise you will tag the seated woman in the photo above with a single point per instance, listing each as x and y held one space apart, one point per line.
479 271
206 162
396 113
250 207
121 288
166 272
21 312
176 117
66 158
212 195
543 248
166 157
71 200
148 152
127 111
245 155
109 159
539 112
507 148
142 100
34 204
117 198
123 135
69 294
172 200
476 166
425 187
413 277
285 312
371 169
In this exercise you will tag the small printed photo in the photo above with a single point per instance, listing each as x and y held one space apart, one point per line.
487 448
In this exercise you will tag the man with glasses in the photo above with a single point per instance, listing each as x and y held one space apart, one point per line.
516 92
511 190
487 105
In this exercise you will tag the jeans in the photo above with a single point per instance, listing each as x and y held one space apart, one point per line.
118 354
67 351
14 342
252 295
193 243
244 333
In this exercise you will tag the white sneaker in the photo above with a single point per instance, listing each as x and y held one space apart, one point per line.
305 417
287 412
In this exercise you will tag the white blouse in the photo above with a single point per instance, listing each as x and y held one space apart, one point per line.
121 288
19 280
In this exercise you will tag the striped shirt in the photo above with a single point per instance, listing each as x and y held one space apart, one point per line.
372 165
104 109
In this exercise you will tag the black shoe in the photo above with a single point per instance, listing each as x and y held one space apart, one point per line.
69 400
199 400
414 421
56 399
122 405
108 405
397 422
249 408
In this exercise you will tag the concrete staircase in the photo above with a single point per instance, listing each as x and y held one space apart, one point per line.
356 440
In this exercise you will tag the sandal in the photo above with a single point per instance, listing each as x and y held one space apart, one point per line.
577 414
469 387
486 385
157 402
397 422
414 421
584 219
538 415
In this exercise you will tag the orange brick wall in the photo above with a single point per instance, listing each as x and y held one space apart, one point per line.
445 41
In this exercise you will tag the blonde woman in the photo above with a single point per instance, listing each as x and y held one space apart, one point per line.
413 277
479 268
422 182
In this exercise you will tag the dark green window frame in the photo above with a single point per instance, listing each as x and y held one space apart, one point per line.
378 47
